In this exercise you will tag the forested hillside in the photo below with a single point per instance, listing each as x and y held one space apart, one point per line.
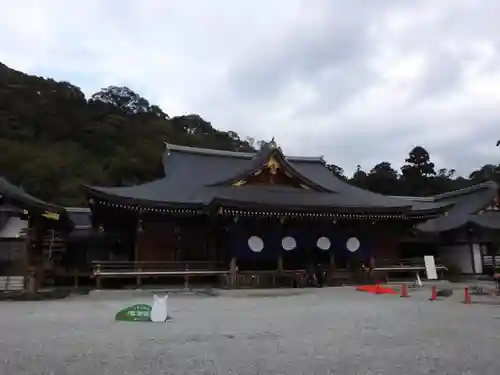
53 139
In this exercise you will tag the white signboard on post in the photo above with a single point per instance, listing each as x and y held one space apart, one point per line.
430 267
478 259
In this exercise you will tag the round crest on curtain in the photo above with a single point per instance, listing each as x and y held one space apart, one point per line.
353 244
323 243
256 244
288 243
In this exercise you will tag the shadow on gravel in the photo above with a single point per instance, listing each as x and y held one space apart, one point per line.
52 294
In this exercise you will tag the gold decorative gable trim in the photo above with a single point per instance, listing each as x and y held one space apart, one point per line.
51 215
273 165
47 214
239 183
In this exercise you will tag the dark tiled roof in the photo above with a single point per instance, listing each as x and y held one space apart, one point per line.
20 198
467 203
486 220
193 177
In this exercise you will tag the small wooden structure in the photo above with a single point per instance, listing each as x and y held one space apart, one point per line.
42 246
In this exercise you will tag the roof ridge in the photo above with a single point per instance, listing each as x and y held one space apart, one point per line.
235 154
450 194
467 190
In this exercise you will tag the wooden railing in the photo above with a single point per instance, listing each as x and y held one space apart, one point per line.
154 266
488 260
145 269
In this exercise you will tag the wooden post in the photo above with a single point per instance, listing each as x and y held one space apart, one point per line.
75 278
139 279
31 284
332 261
331 268
233 269
136 245
98 283
280 263
372 262
186 277
27 259
137 268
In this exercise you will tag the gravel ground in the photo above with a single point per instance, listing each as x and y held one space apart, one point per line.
326 331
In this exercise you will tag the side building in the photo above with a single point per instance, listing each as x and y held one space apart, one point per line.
261 218
468 235
30 232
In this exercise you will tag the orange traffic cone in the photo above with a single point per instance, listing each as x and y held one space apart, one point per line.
467 299
434 294
377 288
404 291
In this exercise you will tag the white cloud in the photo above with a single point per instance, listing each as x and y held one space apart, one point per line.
359 82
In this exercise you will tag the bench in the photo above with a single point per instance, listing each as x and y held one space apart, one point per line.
11 283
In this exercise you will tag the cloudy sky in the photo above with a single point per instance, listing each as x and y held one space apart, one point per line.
356 81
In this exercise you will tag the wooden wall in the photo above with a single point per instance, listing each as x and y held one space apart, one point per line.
157 242
178 240
386 250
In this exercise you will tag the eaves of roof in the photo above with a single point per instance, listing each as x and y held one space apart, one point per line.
19 197
466 205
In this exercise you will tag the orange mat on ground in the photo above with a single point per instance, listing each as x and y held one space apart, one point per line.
376 289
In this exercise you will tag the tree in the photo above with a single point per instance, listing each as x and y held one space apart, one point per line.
126 100
337 171
359 178
417 172
383 179
443 182
53 140
488 172
419 161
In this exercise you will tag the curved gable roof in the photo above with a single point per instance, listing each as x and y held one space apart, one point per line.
259 161
193 176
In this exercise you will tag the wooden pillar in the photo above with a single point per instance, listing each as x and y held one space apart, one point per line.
280 262
137 255
27 260
331 267
372 262
75 278
98 283
31 284
211 239
494 251
332 261
233 270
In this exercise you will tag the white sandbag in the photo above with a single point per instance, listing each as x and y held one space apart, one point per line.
159 312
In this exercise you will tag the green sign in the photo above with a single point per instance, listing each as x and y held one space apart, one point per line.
135 313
